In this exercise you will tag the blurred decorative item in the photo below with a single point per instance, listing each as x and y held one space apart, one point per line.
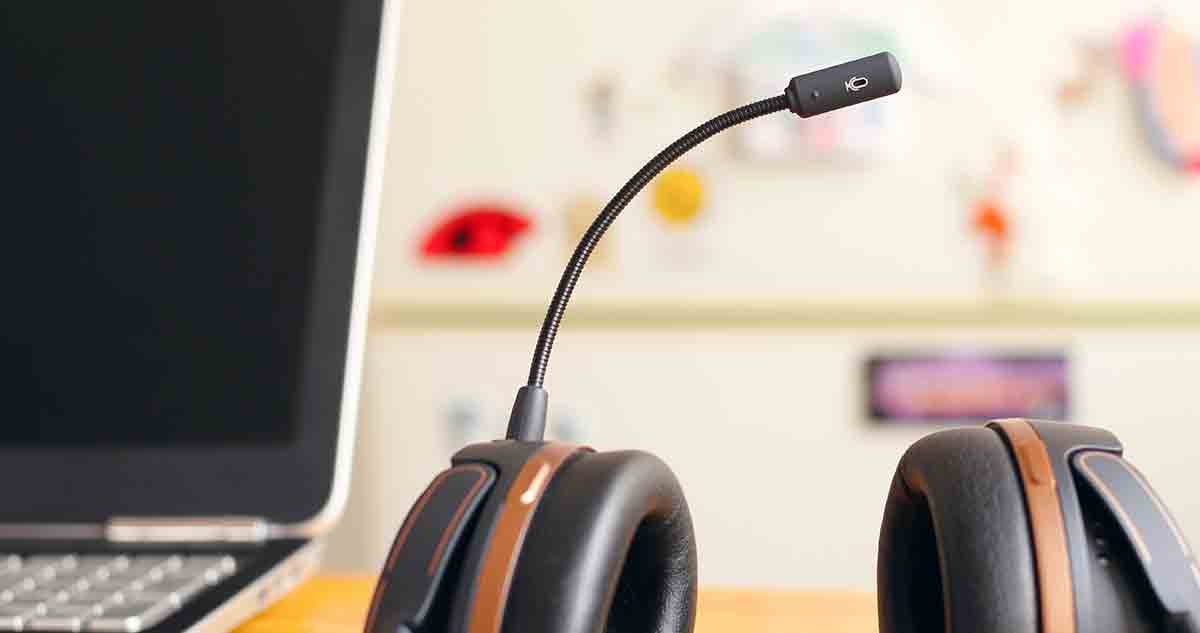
464 422
992 222
1091 63
600 97
678 203
1162 66
478 231
991 217
581 209
778 45
949 386
584 202
679 196
567 427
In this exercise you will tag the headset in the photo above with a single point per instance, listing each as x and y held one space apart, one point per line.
1019 526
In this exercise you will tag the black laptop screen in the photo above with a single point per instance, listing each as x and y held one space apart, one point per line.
162 171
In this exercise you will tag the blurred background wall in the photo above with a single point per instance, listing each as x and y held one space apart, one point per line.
1032 191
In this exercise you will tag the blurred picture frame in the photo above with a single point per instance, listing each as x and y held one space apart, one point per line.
954 385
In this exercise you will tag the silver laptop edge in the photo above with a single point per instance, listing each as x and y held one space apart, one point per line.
303 563
381 111
264 591
252 529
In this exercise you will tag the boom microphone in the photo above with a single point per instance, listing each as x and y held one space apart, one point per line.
806 95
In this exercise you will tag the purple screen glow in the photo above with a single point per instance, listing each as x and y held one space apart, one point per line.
946 387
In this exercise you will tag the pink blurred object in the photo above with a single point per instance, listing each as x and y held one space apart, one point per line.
1162 66
944 387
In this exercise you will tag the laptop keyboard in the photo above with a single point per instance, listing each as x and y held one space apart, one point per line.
101 592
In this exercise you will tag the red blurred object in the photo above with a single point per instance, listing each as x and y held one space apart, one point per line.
991 220
485 231
991 216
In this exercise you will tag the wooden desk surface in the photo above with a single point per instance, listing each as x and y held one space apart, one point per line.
332 604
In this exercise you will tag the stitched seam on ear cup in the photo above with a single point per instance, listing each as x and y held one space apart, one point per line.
1052 565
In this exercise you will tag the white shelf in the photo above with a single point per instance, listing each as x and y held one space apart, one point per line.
436 311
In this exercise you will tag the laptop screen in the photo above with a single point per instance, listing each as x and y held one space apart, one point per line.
162 175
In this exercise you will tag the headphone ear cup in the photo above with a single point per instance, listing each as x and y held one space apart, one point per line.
420 562
611 542
954 549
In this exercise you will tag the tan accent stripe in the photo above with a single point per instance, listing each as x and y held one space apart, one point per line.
1056 593
458 514
500 559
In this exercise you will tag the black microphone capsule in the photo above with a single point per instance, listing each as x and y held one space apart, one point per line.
844 85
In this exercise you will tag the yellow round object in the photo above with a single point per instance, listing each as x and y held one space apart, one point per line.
679 195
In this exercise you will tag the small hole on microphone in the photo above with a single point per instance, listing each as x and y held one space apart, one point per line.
816 94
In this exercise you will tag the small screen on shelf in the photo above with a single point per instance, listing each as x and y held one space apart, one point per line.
955 386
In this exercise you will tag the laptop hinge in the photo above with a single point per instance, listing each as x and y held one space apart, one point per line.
187 530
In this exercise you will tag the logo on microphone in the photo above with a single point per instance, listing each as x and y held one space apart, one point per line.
856 83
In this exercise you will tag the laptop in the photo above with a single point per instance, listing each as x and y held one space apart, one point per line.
188 202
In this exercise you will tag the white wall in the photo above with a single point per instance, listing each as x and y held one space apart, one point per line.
785 477
487 102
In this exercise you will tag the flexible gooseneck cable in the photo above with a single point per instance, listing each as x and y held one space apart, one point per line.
806 95
587 244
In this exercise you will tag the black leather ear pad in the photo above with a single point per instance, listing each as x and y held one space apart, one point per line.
954 550
610 548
